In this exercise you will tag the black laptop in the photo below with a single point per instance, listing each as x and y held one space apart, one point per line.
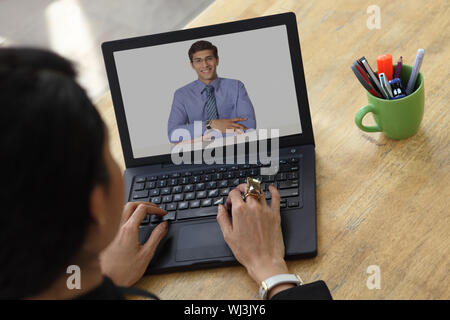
155 87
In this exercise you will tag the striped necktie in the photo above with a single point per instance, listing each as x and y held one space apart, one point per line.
211 108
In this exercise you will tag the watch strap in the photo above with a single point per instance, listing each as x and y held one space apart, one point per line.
273 281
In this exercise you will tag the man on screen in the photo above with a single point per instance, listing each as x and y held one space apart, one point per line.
219 103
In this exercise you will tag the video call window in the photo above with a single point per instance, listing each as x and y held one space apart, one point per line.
173 93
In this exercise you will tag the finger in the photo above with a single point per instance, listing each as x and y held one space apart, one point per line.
130 207
141 211
275 201
238 119
155 238
224 220
239 126
235 197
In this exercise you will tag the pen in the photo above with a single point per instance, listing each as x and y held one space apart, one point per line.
383 81
399 68
415 71
372 75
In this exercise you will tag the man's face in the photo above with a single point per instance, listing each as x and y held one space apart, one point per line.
204 63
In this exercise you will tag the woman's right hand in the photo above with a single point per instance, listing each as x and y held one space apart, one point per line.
254 234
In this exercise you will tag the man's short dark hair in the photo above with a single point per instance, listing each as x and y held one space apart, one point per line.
202 45
52 139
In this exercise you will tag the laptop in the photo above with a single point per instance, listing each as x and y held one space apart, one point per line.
159 97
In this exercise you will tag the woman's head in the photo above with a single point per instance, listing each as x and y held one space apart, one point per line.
58 178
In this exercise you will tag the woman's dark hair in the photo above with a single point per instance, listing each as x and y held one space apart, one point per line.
202 45
52 139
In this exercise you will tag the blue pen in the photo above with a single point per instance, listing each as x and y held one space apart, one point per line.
415 71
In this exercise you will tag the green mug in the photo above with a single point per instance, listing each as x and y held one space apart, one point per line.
398 118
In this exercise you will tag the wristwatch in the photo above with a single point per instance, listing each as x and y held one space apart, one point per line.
271 282
208 124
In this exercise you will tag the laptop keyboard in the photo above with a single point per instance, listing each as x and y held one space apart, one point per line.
197 193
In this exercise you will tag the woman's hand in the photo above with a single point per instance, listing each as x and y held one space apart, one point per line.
254 235
125 259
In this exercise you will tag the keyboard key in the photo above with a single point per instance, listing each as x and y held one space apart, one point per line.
197 213
177 189
223 184
183 205
213 193
206 202
171 206
189 196
219 200
201 194
188 188
194 179
140 179
154 192
166 199
284 193
225 191
195 204
165 190
162 183
172 182
184 180
211 185
292 204
140 194
175 175
150 185
282 205
138 186
234 182
170 216
152 178
287 184
178 197
156 200
292 175
200 186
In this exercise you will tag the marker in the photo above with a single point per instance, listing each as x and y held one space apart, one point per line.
384 65
415 71
399 68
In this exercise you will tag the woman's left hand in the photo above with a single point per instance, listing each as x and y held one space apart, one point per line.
125 259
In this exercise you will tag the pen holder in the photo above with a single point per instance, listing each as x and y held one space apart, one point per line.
397 119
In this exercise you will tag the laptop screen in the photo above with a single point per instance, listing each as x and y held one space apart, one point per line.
245 87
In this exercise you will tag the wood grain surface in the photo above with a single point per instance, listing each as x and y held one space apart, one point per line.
379 201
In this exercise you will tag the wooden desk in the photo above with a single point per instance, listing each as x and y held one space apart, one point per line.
379 201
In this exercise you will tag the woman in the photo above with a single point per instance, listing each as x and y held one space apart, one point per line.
62 197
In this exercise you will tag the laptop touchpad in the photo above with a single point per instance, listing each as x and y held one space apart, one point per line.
201 241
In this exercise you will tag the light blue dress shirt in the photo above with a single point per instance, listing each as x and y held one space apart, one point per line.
188 105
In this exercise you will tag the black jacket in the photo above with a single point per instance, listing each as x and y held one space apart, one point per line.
109 291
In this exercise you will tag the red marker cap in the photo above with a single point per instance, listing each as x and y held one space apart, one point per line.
384 65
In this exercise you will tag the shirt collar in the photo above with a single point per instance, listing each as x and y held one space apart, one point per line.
200 85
